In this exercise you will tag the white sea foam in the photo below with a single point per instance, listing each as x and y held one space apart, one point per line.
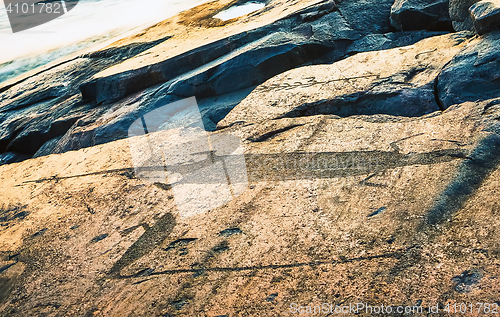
239 10
90 22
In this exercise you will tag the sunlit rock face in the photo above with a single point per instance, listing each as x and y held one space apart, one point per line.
377 195
301 155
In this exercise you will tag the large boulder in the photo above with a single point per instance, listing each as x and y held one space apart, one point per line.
473 74
366 209
250 65
398 81
460 15
42 107
38 108
302 39
367 16
421 15
232 45
486 16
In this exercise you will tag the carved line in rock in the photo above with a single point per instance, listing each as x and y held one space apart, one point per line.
395 254
303 165
311 81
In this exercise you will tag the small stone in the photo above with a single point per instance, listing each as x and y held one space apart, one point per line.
271 297
230 231
466 280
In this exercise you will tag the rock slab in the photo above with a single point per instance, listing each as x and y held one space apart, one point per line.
432 15
397 81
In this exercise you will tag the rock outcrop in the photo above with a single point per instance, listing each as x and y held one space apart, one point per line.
45 105
243 51
142 72
430 15
374 203
400 82
473 74
371 169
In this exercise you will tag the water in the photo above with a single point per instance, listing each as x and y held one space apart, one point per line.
89 23
238 11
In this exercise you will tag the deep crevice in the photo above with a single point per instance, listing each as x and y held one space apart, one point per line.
395 254
269 135
436 95
32 103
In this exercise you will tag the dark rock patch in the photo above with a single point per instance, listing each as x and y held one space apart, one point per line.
384 100
466 280
269 135
144 272
377 42
377 212
99 238
47 147
179 243
13 212
432 15
367 16
6 267
230 232
12 157
271 297
163 186
180 304
221 247
39 233
20 215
